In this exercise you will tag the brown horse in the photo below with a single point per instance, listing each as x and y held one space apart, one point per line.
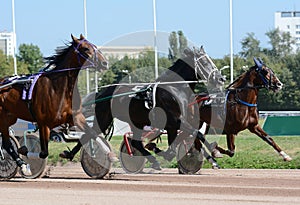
52 97
241 108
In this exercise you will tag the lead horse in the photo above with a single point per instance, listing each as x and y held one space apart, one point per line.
50 97
163 104
241 111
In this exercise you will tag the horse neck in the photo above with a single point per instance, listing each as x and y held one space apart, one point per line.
245 88
66 72
180 71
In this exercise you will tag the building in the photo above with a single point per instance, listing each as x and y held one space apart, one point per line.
289 21
7 43
120 52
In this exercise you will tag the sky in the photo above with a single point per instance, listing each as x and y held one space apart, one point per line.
49 23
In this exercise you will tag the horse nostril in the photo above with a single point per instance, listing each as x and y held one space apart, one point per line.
279 84
222 79
104 64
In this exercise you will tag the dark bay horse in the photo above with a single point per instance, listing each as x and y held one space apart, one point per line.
241 107
163 104
52 97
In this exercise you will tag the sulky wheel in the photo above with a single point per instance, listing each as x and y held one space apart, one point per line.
131 164
189 159
8 166
37 165
93 161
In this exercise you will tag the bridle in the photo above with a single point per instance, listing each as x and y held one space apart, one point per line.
95 59
199 67
267 82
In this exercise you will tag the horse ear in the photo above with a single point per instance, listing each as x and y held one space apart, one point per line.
74 38
81 36
258 63
202 49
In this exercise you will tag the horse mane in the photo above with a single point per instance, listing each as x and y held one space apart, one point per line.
173 72
60 53
241 80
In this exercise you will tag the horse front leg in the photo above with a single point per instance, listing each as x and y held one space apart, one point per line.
44 132
137 143
80 122
186 127
263 135
230 138
7 145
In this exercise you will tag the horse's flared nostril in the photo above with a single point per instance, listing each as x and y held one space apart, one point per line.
279 84
104 63
223 79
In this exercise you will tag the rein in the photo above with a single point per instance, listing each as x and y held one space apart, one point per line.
133 92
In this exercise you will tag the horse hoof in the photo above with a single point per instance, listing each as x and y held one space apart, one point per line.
66 155
23 150
156 166
25 169
150 146
43 155
216 154
287 159
215 166
168 155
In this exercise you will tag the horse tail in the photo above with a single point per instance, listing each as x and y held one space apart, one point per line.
103 114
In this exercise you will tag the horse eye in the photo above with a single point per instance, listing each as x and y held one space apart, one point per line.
86 49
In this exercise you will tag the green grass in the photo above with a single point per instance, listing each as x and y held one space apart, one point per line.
251 152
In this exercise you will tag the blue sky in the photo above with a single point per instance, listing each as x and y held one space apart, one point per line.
49 23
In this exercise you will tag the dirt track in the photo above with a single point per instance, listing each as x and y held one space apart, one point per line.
70 185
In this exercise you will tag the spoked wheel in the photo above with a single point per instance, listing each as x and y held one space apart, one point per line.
131 164
37 165
93 161
8 166
189 159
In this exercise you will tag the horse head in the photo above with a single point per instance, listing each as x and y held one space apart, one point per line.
88 55
267 77
205 68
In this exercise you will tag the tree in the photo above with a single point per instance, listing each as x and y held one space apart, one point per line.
250 46
32 56
282 43
173 42
182 42
178 43
7 66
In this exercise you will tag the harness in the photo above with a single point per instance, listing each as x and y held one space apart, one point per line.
28 82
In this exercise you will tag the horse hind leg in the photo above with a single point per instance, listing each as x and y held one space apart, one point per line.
7 145
90 133
136 142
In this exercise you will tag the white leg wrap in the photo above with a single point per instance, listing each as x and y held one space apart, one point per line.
285 156
25 169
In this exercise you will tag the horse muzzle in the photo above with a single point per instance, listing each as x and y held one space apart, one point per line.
102 65
277 87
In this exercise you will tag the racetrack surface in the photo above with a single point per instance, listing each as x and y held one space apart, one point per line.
70 185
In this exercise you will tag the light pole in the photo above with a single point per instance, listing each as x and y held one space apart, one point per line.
155 41
86 35
14 36
231 42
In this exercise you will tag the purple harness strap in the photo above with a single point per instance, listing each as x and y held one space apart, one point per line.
27 94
